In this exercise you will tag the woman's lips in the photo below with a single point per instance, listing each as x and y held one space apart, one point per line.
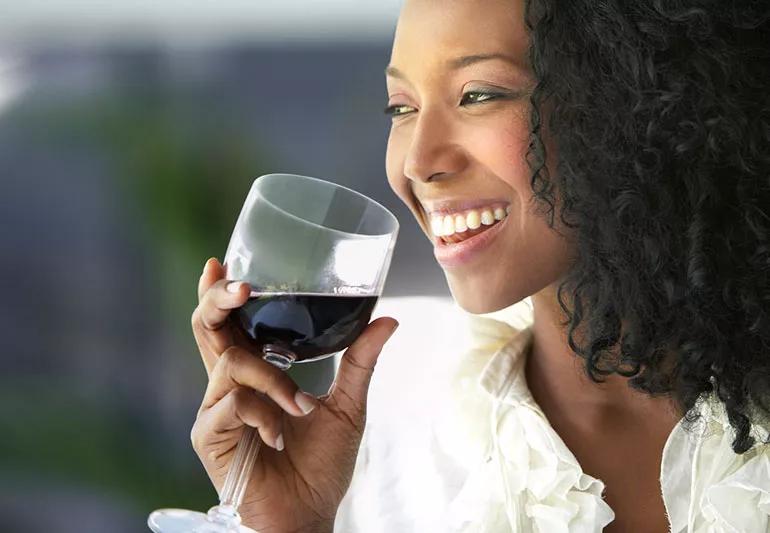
455 254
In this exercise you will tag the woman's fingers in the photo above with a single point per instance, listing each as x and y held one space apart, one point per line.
212 271
215 304
239 367
210 344
208 319
351 385
238 407
221 297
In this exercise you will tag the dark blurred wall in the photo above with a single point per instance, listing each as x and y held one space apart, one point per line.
121 171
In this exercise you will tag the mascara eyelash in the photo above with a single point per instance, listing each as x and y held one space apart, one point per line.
491 96
391 110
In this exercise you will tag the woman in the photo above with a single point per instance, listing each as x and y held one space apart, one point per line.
646 127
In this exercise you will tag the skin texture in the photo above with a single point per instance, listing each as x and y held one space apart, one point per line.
442 148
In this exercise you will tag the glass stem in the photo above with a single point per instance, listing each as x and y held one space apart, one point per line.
239 472
226 513
240 469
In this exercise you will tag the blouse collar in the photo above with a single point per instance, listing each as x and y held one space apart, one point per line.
569 498
503 376
521 472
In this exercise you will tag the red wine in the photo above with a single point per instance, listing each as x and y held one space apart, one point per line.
308 325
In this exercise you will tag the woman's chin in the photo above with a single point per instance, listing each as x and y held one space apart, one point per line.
477 301
474 309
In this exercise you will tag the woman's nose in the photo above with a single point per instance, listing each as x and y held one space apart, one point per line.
432 151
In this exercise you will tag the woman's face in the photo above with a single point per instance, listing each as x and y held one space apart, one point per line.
460 135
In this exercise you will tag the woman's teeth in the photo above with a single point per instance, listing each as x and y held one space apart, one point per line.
446 225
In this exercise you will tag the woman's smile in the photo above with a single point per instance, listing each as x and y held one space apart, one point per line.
461 251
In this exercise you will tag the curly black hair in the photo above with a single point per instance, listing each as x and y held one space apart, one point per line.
660 111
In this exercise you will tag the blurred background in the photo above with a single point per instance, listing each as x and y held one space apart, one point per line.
129 135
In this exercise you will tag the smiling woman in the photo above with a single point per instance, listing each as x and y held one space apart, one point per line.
460 134
616 376
645 128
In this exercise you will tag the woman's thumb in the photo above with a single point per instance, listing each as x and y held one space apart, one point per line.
351 384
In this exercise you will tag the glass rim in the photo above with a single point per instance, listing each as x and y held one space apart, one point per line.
387 211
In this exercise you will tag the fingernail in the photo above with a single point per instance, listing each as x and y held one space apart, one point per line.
234 286
305 402
279 443
393 330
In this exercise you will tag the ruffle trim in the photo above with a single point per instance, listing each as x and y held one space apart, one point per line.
522 476
707 488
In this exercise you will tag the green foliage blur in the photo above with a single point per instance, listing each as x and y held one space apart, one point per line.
184 173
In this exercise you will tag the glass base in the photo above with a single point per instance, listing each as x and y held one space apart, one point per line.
278 356
184 521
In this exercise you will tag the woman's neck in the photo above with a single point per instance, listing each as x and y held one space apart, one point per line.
557 379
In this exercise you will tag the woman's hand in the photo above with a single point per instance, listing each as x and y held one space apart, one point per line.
305 468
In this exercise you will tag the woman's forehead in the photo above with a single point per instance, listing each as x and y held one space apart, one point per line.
444 30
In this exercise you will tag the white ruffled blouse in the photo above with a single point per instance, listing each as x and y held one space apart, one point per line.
469 450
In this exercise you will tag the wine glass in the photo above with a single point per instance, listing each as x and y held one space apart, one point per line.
316 255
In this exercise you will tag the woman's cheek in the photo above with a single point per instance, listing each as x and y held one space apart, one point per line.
394 167
502 147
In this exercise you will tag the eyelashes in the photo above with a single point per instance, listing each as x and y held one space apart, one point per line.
394 110
478 97
471 97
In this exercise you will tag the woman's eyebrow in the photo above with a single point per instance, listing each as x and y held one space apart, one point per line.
460 62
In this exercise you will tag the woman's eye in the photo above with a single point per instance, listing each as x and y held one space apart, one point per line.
471 97
397 110
477 97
